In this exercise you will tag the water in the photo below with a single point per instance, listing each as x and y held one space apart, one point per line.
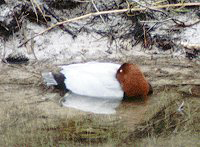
91 104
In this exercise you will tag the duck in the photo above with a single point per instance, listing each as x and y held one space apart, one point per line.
100 80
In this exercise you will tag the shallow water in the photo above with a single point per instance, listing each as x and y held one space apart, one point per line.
26 104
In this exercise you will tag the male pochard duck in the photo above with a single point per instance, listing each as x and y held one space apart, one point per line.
101 80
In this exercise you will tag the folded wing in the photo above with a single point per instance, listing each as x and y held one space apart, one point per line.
93 79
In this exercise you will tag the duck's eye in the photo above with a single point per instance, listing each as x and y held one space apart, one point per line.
120 70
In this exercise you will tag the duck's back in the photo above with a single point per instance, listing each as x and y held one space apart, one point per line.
93 79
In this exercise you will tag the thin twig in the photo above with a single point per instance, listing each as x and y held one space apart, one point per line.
182 24
34 9
40 10
109 12
97 11
32 47
156 21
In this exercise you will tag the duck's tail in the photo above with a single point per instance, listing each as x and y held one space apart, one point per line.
56 80
49 79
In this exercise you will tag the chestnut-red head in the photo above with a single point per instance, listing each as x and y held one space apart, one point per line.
132 81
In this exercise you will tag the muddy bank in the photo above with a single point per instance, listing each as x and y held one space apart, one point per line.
150 33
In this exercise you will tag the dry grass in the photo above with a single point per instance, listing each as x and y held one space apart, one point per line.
165 125
27 129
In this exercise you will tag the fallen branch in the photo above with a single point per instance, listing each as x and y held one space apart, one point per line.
110 12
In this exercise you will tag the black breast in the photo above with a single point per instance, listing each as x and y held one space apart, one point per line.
60 79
